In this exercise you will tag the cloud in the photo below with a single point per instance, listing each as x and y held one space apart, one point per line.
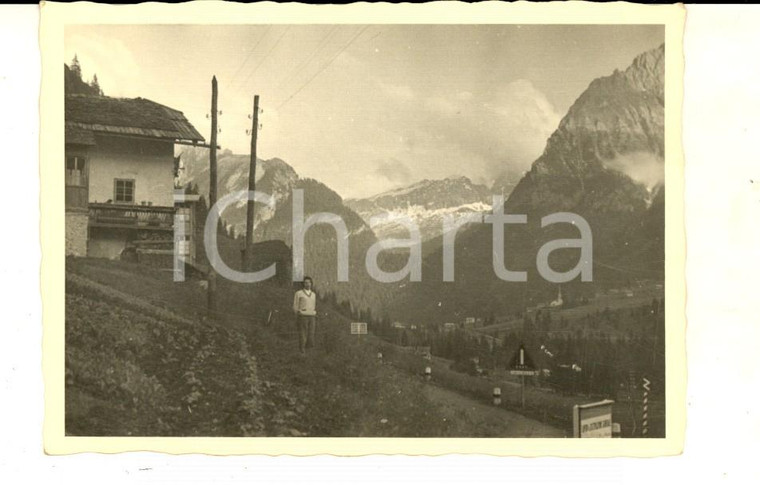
643 167
397 91
363 135
474 133
394 171
386 135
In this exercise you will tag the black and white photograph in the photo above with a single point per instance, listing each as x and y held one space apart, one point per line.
368 230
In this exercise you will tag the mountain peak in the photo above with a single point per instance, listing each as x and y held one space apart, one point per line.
616 115
594 165
426 202
647 72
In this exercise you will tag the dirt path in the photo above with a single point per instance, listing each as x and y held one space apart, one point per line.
505 424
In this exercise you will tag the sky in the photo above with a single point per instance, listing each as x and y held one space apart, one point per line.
367 108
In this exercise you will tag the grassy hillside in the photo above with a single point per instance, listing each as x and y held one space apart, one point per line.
142 360
133 368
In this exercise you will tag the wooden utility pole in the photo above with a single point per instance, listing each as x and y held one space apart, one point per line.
212 303
251 187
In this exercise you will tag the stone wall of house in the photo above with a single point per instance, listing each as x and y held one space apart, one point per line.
76 233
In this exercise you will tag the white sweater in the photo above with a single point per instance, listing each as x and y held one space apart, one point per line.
305 303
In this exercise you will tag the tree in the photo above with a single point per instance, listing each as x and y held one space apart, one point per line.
95 85
73 83
404 339
491 319
75 67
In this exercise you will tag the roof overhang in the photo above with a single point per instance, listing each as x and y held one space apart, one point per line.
84 134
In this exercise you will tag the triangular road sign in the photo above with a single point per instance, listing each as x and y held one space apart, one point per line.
521 363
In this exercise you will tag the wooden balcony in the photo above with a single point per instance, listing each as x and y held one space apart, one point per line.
126 216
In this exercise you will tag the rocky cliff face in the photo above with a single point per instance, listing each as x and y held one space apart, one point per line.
273 177
426 203
278 179
617 115
605 163
506 181
605 159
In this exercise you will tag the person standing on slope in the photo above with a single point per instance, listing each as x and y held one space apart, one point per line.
305 308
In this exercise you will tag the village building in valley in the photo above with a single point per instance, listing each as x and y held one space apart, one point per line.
120 170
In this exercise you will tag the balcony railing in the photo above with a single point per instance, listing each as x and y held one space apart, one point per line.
132 216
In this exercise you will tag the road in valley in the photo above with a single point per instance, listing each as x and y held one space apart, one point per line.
505 424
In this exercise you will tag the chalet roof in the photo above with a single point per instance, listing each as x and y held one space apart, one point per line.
124 116
79 136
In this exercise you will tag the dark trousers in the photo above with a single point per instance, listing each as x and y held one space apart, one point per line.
307 325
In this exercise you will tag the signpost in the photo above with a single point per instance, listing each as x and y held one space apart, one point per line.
593 420
358 329
522 365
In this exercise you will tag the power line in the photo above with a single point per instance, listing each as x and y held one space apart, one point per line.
250 53
263 60
294 71
353 39
309 58
322 43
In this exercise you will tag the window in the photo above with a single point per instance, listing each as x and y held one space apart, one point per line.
124 191
74 163
75 171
